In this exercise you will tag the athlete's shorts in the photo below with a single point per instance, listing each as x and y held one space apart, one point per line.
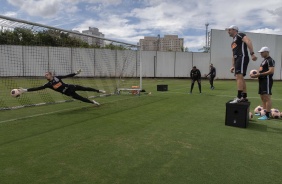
196 79
265 86
69 90
241 65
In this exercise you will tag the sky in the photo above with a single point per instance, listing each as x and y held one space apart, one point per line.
131 20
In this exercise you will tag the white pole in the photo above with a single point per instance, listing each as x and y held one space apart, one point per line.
140 70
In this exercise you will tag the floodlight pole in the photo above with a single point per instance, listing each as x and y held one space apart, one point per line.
207 25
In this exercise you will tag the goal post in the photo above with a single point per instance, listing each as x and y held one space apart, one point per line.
28 50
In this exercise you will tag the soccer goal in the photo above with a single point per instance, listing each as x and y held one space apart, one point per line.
28 50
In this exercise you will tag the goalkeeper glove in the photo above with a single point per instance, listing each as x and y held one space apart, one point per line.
78 72
22 90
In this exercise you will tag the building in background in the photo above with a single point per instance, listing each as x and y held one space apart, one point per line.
94 41
91 40
167 43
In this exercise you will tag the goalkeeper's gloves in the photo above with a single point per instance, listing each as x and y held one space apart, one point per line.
22 90
78 72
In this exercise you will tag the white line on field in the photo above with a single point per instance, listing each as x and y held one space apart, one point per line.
42 114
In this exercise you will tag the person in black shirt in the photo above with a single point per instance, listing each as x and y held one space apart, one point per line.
56 83
240 60
195 75
212 75
266 71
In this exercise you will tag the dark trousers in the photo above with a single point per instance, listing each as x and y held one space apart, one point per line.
211 81
71 91
199 84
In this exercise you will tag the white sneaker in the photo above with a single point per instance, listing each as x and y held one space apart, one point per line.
96 103
236 100
102 91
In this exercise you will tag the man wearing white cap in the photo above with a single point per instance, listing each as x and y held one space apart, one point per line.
266 71
240 60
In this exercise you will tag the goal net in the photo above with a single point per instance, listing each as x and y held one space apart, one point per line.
28 50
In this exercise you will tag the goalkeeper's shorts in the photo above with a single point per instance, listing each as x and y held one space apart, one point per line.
70 89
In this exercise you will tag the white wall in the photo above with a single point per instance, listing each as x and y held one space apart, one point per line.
183 64
60 60
84 59
148 63
34 61
11 64
165 64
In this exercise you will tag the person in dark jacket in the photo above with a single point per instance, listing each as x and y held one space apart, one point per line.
195 75
212 75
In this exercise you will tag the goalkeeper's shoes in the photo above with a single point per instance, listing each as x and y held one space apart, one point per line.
96 103
102 91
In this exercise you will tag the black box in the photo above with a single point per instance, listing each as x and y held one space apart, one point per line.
162 87
237 114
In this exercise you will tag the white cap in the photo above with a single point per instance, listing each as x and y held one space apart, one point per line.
264 49
233 27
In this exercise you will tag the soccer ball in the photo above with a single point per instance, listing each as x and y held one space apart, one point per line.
250 115
263 112
15 93
258 109
253 72
275 113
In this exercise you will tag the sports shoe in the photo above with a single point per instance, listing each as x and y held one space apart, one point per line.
212 88
236 100
243 100
102 91
96 103
257 114
264 117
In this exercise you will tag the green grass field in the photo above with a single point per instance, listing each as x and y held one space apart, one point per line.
165 137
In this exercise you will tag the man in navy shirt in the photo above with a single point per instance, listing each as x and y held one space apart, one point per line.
240 60
266 71
56 83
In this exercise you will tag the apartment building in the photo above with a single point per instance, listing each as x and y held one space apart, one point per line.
167 43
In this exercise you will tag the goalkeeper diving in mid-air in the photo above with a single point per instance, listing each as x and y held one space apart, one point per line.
56 83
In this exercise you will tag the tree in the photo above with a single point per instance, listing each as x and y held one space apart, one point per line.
186 49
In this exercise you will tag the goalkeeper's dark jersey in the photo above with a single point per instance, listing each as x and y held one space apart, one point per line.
195 74
56 84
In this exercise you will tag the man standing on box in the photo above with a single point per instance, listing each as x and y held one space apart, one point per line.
195 75
240 60
266 71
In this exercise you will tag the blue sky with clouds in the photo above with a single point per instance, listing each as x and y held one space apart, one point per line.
131 20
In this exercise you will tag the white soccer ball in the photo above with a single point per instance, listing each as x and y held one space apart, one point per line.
253 72
263 112
15 93
275 114
258 109
250 115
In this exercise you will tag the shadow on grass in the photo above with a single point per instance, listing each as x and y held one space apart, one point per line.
256 126
253 125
